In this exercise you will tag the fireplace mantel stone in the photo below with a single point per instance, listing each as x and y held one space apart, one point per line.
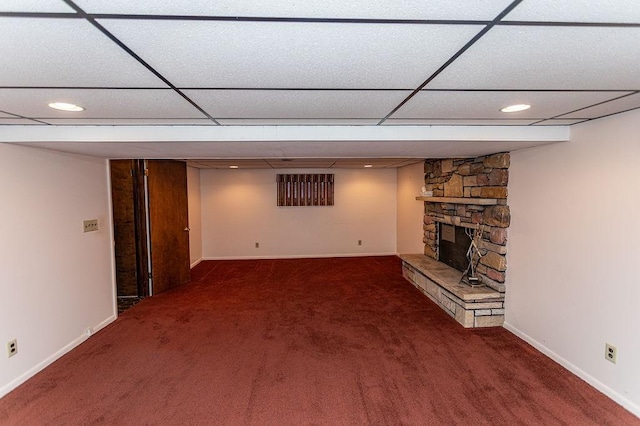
459 200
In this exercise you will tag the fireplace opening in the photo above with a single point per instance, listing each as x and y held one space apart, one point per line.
453 243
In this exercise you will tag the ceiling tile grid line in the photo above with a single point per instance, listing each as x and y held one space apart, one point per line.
459 53
135 56
380 21
587 12
355 9
610 114
315 89
12 115
568 24
519 21
595 105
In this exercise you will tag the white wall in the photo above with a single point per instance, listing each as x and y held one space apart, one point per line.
574 250
55 280
410 211
239 209
195 217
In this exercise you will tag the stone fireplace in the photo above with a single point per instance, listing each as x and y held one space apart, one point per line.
467 194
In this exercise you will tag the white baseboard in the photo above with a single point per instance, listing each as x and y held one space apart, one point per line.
617 397
194 264
297 256
53 357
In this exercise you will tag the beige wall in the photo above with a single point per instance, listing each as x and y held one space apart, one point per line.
55 281
410 211
574 251
195 219
239 209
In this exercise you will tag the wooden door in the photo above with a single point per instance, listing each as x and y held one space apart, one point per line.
168 223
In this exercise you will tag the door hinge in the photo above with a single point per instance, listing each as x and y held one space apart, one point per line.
146 172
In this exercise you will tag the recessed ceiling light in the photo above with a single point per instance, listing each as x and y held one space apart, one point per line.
233 167
368 165
515 108
63 106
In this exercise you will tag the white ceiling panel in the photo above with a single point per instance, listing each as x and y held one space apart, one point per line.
455 122
299 122
49 6
577 11
289 55
623 104
548 58
98 103
130 121
469 105
296 104
65 52
376 9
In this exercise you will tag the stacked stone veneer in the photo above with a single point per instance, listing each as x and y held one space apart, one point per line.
484 177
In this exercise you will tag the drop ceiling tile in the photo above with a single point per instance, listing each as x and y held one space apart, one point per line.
297 104
98 103
298 122
473 105
49 6
200 54
583 58
18 121
65 52
619 105
577 11
455 122
378 9
130 121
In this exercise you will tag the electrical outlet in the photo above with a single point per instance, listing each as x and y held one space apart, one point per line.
359 242
257 245
12 348
90 225
610 353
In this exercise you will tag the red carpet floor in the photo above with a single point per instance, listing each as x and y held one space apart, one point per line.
299 342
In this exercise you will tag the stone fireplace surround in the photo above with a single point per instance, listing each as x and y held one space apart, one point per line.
471 193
